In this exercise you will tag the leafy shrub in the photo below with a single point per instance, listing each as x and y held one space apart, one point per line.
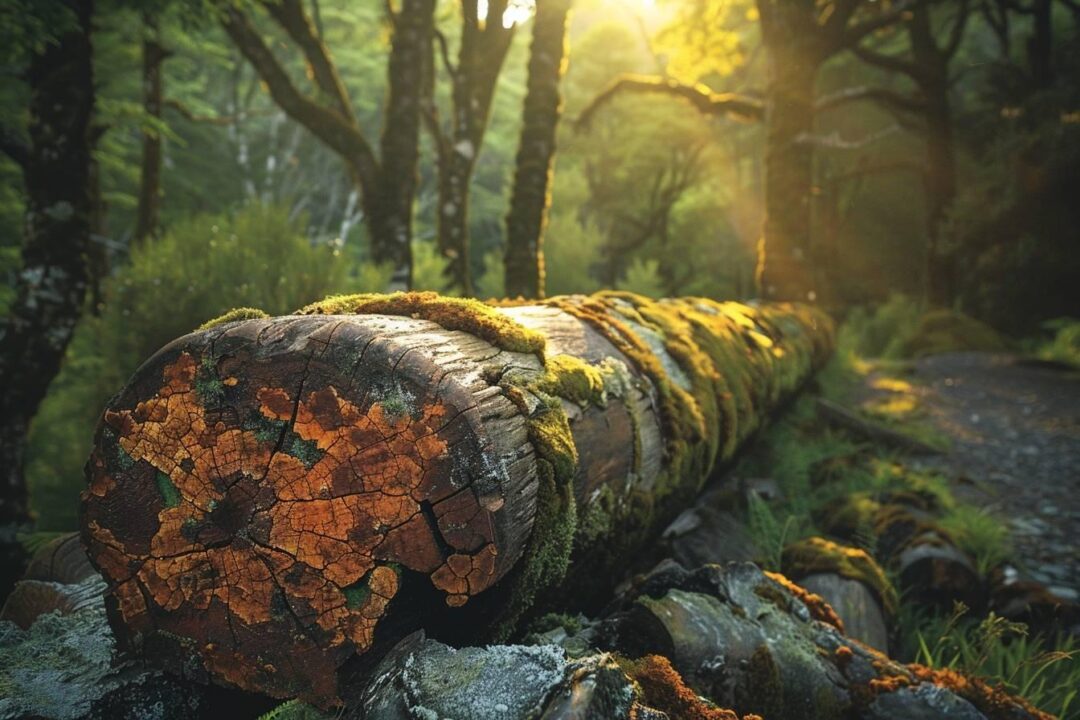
1065 346
881 331
197 271
941 331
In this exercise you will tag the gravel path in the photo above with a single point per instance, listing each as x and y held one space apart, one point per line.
1015 431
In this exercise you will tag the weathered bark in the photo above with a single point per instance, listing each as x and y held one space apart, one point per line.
148 216
485 43
536 152
387 182
52 284
270 497
400 142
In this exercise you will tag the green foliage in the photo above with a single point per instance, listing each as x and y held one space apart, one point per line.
768 534
1065 345
1044 672
643 278
197 271
881 331
980 534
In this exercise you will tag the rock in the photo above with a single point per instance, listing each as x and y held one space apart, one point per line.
922 702
856 605
422 678
746 641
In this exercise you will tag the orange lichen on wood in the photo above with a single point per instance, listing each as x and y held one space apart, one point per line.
309 546
819 609
663 688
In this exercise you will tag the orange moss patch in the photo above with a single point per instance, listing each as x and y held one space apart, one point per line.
819 609
662 688
994 702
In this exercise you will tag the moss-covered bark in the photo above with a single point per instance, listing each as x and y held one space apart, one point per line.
272 496
536 151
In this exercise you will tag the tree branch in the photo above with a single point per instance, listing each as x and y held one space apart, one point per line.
891 100
290 15
957 33
701 97
886 62
851 36
328 125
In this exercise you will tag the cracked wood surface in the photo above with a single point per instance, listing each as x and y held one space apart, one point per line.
271 498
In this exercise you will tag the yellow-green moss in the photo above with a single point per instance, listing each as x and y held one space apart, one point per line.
241 313
471 316
818 555
573 379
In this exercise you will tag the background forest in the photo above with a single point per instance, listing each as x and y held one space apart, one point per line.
270 153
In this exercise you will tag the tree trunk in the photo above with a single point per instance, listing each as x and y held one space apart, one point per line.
52 284
536 151
931 74
391 227
269 498
484 45
1040 46
455 175
148 219
785 270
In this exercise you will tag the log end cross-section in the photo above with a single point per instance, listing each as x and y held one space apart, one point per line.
257 495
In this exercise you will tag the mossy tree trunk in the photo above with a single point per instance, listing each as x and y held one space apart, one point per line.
536 152
269 498
485 43
387 181
52 283
148 215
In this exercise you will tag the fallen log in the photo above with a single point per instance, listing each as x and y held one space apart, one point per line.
269 498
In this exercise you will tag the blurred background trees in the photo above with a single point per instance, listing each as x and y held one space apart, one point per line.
266 153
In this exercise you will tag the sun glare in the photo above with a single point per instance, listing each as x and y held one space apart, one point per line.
517 11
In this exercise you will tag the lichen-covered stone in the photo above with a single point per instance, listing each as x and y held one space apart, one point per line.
422 679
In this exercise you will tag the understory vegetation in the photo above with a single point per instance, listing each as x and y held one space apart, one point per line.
819 469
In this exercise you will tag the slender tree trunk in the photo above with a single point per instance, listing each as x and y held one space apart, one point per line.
148 220
484 46
940 183
1040 46
391 225
536 151
52 285
455 175
785 269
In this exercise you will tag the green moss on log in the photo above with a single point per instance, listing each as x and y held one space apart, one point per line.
471 316
817 555
241 313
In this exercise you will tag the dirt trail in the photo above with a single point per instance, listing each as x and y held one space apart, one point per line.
1015 432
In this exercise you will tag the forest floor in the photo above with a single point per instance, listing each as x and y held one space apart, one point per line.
1013 432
